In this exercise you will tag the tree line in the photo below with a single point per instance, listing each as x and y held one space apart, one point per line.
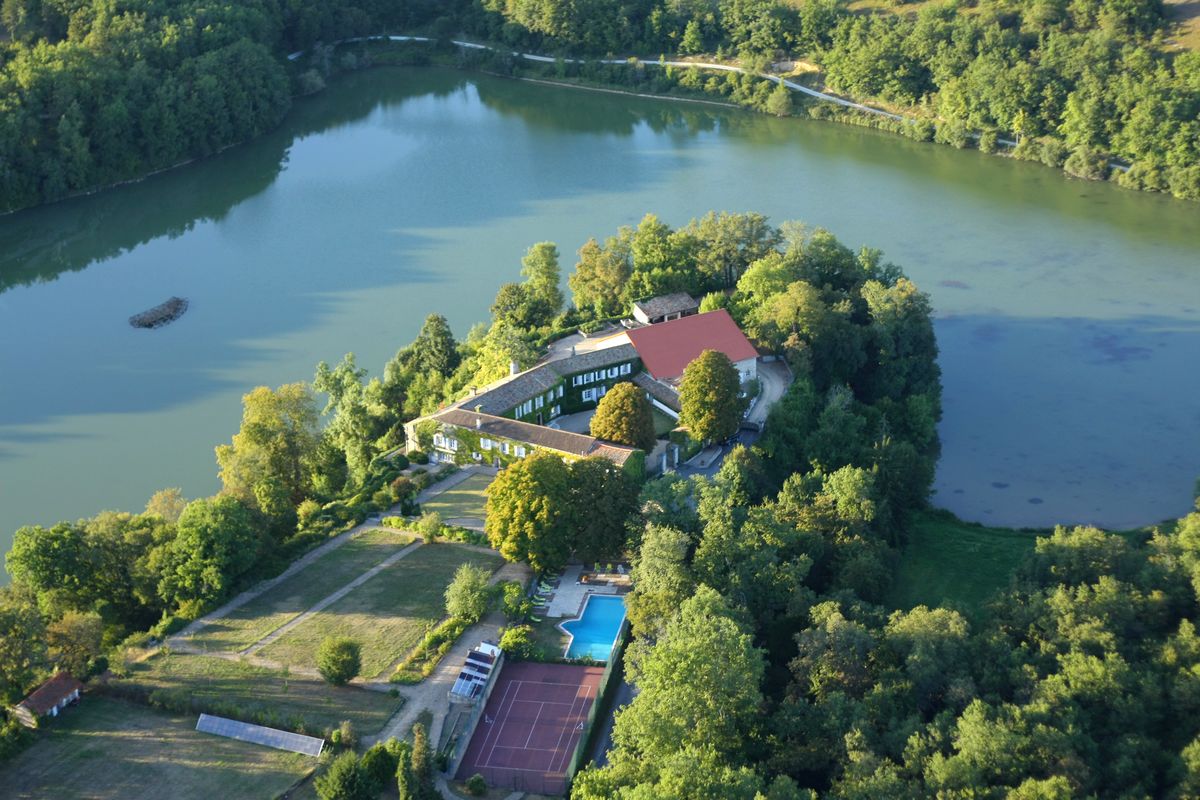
1075 83
95 92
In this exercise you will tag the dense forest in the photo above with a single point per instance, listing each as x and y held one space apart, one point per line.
1074 82
95 92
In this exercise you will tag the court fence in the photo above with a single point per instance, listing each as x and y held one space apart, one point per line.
604 700
459 745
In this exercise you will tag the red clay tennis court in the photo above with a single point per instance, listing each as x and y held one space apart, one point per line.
531 726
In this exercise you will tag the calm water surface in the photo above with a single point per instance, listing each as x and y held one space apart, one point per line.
1068 313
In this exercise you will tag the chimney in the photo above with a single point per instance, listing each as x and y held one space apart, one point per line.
572 349
513 368
478 423
473 390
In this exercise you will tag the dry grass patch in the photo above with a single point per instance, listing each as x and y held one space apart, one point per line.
107 748
282 603
255 694
388 615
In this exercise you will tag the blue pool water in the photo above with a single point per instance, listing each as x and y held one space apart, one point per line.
594 633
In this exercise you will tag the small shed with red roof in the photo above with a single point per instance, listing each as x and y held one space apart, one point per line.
666 348
48 699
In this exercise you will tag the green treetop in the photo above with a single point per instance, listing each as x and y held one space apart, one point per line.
624 416
710 397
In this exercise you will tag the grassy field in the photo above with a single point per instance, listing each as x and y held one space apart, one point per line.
107 748
218 685
297 594
464 500
948 561
387 615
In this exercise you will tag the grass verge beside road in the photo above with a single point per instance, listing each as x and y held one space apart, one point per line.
388 615
107 748
275 607
254 694
961 564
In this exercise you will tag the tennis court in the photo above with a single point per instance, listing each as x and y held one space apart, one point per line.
531 726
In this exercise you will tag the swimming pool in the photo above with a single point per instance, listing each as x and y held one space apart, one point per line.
594 633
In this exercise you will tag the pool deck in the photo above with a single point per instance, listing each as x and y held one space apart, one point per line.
570 595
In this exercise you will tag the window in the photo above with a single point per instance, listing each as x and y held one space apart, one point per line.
575 381
439 440
612 372
589 395
504 448
555 411
560 391
520 451
541 401
453 443
486 444
626 369
476 456
550 395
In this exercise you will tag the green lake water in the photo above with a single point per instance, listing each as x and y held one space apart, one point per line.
1068 314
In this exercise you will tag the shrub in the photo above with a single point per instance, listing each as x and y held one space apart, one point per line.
988 141
467 596
309 82
339 659
418 457
1087 163
429 526
344 780
476 785
343 735
378 767
517 642
307 511
513 600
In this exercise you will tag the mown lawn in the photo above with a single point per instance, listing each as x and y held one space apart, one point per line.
464 500
962 564
297 594
107 748
388 615
243 691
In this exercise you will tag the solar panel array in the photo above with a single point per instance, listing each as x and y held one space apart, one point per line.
257 734
474 675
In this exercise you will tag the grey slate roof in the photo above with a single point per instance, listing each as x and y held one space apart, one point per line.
667 304
544 377
537 435
658 390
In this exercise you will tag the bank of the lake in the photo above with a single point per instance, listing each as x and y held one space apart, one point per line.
1068 317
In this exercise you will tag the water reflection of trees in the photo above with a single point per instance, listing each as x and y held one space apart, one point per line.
39 244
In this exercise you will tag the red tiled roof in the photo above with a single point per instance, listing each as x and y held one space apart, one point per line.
668 347
51 693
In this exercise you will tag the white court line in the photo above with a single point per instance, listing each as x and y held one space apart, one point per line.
541 708
567 722
567 752
497 726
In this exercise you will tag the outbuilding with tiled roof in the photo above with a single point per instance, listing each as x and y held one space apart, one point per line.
48 699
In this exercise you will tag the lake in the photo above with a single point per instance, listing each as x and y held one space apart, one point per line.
1068 313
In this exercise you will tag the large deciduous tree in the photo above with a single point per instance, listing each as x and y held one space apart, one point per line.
267 464
22 643
624 416
543 276
603 498
216 542
528 512
710 397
